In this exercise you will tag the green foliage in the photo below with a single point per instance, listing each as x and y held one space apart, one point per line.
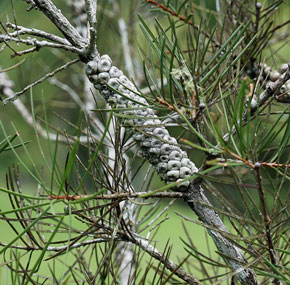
197 67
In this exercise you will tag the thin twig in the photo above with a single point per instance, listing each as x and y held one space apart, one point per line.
39 44
120 196
19 30
267 220
50 74
61 22
91 7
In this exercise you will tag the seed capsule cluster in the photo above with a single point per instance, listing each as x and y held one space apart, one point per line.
162 150
269 75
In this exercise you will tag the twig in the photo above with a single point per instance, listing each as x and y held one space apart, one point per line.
120 196
61 22
39 44
19 30
136 239
267 219
152 251
249 163
91 7
70 91
257 101
50 74
273 164
196 199
157 216
61 248
26 51
194 192
6 86
271 89
12 67
279 27
147 143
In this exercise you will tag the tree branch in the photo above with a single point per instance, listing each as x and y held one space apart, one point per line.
163 152
50 74
61 22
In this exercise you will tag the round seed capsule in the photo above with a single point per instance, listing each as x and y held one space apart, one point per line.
201 106
103 77
174 165
172 175
156 143
185 162
124 79
193 168
170 139
121 99
150 112
91 67
94 79
123 89
183 185
164 158
115 72
149 123
132 104
162 167
160 132
145 143
283 88
184 154
184 172
154 151
106 93
156 122
141 100
142 113
274 76
114 83
138 122
138 137
283 68
106 57
175 155
104 65
148 126
165 149
257 164
267 70
269 87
